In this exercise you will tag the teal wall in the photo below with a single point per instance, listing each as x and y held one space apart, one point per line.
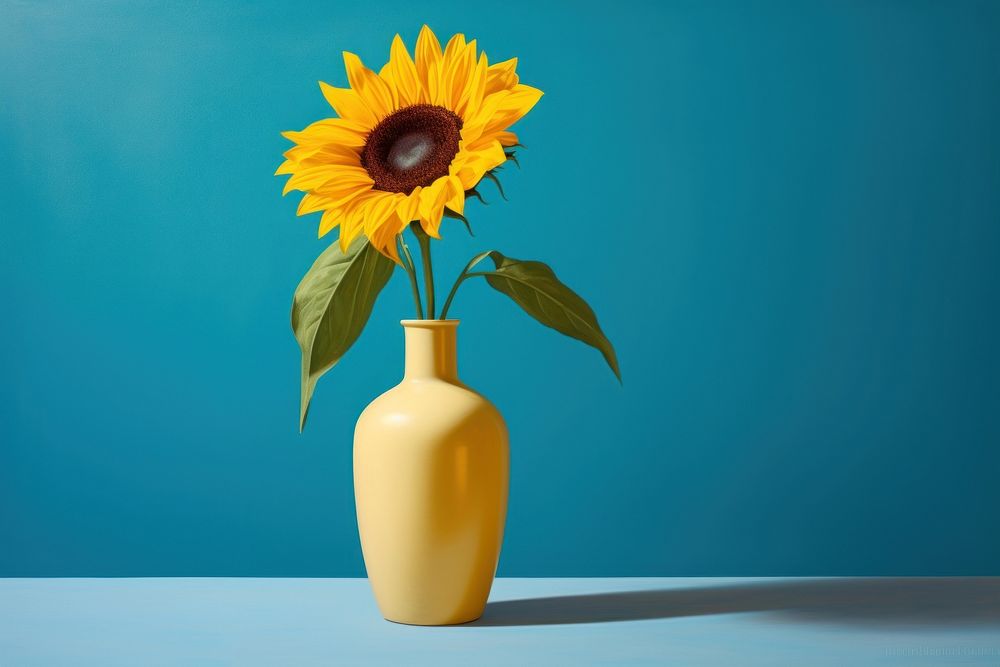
787 216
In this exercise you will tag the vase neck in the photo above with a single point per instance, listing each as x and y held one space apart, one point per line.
430 349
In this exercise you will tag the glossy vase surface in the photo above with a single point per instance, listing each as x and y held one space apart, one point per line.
431 467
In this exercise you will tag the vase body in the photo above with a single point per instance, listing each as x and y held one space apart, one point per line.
431 466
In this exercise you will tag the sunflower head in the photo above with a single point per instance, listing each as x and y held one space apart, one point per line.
408 142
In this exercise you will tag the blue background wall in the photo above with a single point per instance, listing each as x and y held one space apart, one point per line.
786 215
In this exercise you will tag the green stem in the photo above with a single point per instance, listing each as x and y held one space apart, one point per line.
451 295
411 272
461 278
425 253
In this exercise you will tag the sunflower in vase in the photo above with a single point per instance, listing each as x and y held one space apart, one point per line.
409 145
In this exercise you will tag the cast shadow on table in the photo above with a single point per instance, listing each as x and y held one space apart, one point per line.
872 602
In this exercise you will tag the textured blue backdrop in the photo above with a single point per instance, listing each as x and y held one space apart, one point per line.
786 216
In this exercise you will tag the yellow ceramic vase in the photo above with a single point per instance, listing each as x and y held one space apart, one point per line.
431 465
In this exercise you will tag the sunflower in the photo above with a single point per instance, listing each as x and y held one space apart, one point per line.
409 142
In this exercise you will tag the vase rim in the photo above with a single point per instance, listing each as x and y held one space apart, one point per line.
429 324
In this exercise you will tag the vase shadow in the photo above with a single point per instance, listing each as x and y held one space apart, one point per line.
868 601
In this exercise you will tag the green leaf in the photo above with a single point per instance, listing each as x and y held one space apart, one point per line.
535 287
332 305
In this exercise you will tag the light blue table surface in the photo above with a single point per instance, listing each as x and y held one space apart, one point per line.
689 621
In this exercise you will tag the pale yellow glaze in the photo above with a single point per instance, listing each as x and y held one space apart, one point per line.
431 468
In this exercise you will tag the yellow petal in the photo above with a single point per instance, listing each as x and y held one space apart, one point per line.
346 174
407 209
374 92
455 69
308 179
429 197
385 242
512 107
328 178
456 194
501 76
330 131
468 168
312 203
348 105
456 46
432 201
490 152
343 194
329 220
384 236
403 75
428 63
471 95
470 175
379 211
352 221
470 165
320 154
474 126
507 138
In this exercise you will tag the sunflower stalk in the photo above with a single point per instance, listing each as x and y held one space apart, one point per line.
425 254
461 278
411 272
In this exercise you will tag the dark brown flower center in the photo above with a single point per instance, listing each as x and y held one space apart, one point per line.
412 146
